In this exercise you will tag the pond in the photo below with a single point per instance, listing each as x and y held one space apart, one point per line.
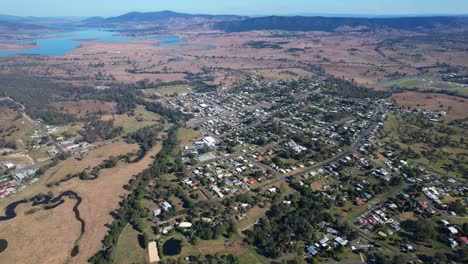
3 245
172 247
59 44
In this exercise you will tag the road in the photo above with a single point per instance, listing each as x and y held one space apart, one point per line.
343 154
43 132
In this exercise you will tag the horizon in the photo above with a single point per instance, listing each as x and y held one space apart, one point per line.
252 8
331 15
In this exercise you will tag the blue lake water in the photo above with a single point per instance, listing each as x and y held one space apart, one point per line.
58 44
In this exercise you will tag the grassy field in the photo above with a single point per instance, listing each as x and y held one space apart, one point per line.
446 154
21 135
128 249
58 226
455 107
251 257
169 90
424 84
40 154
186 135
131 124
252 217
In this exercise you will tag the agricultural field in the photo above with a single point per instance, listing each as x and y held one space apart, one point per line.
422 84
169 90
85 107
455 107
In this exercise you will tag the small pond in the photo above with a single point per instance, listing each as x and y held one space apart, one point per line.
3 245
172 247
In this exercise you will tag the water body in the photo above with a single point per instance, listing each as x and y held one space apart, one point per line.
3 245
172 247
59 44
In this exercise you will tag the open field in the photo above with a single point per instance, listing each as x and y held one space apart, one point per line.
169 90
99 197
456 107
131 124
278 74
425 84
354 55
20 134
128 248
85 107
50 234
6 118
253 216
18 159
39 155
186 135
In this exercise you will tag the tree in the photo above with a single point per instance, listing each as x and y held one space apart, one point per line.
145 240
457 207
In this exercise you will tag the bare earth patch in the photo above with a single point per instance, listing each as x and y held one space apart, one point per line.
456 107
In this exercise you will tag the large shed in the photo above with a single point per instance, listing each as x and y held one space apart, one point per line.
153 254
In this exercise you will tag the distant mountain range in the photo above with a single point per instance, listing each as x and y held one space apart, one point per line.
231 23
17 25
160 17
301 23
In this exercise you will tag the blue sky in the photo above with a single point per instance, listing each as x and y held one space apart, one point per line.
243 7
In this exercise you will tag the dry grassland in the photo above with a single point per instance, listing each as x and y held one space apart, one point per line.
58 225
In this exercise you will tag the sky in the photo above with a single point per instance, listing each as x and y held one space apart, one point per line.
88 8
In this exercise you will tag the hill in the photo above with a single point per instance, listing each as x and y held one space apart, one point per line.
16 25
156 17
302 23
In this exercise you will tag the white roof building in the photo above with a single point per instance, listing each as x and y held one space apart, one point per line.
453 230
185 225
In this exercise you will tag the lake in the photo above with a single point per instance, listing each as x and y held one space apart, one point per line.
59 44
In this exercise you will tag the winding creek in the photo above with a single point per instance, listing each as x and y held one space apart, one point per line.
49 203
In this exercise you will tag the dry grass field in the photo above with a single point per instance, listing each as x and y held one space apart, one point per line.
456 107
131 124
99 198
84 107
40 237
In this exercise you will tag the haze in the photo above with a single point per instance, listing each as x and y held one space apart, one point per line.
86 8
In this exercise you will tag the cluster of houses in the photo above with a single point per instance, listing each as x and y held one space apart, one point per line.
195 104
226 176
331 239
456 237
379 217
15 183
9 187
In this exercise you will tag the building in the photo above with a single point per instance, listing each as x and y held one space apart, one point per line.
453 230
8 164
153 254
341 241
185 225
157 212
311 250
167 206
210 142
